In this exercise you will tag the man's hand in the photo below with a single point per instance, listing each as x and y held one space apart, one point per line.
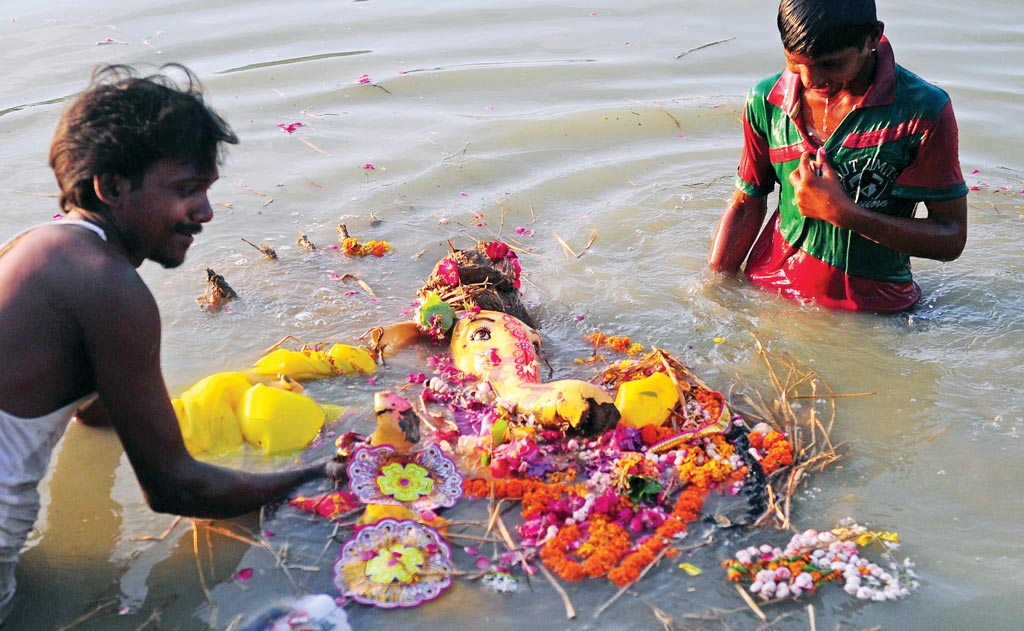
940 236
336 471
818 193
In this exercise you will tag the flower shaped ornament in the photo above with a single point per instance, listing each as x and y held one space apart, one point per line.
394 563
421 481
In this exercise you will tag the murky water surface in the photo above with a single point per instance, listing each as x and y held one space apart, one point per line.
567 120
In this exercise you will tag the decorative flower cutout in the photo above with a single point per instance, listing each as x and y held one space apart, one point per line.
420 481
394 563
406 483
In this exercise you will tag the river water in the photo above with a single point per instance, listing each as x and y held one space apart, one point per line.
570 121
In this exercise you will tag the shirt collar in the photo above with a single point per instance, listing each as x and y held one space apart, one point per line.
786 92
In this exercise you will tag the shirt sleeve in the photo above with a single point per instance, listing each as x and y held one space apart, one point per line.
755 175
934 173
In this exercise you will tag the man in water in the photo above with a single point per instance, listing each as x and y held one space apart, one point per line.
882 139
80 332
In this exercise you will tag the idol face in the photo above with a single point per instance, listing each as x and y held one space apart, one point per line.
497 347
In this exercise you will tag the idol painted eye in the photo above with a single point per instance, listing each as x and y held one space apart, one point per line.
480 334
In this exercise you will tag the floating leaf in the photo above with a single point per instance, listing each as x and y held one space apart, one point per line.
690 569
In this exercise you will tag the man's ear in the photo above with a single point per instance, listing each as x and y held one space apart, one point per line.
876 35
109 188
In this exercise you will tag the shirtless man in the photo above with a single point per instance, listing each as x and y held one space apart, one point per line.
134 159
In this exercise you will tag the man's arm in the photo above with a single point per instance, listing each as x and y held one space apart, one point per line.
941 235
736 232
121 331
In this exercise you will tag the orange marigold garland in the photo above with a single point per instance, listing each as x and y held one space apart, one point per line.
555 554
607 543
778 451
352 247
578 536
617 343
614 504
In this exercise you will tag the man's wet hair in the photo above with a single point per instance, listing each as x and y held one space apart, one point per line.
123 123
819 27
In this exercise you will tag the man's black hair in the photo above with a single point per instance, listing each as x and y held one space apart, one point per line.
123 124
819 27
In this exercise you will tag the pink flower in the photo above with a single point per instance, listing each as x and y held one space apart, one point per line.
482 563
290 127
363 78
500 468
517 270
244 574
496 250
369 166
449 271
975 171
417 377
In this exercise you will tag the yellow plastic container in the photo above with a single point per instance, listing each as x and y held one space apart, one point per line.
646 401
206 412
349 360
278 421
299 365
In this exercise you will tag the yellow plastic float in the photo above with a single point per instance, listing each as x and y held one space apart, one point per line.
276 420
647 401
307 364
224 410
206 413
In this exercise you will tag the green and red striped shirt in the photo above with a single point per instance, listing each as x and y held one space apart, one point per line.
897 148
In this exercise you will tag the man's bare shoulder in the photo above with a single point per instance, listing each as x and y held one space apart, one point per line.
64 293
71 265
